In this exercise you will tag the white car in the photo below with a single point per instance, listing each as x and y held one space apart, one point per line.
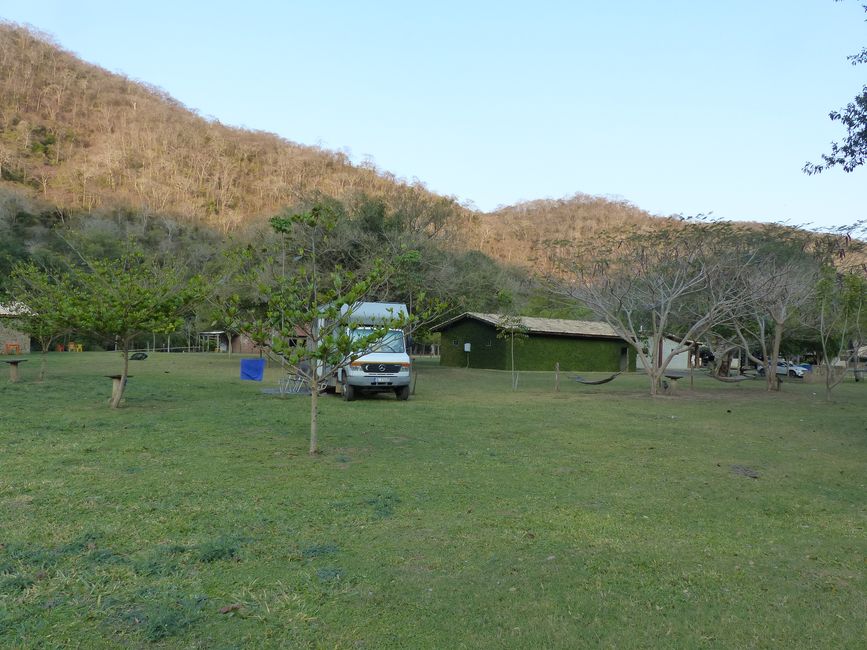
785 368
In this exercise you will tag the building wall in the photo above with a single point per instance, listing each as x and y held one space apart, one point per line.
243 345
11 336
536 352
487 350
680 360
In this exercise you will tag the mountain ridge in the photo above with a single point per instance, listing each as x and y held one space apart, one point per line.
83 138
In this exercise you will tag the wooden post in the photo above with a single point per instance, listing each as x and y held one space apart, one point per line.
13 369
116 385
557 377
690 362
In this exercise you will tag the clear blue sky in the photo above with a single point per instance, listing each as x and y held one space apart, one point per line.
678 106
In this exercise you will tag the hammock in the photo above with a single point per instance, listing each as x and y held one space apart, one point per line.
589 382
732 380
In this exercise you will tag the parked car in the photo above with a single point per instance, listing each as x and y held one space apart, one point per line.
785 368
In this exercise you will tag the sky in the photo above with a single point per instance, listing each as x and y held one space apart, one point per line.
676 106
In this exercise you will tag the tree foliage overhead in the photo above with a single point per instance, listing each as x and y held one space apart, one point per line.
851 152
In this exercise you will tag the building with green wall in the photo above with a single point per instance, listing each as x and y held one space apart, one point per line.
576 345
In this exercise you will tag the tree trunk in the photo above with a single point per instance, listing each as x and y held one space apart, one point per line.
42 359
655 381
514 382
771 364
118 394
725 365
690 362
314 416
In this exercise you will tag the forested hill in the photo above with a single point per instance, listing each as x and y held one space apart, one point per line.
521 233
86 138
83 139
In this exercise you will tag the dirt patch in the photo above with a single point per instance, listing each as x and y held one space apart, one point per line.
743 470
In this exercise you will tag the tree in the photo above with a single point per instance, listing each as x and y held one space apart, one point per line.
649 283
841 299
45 299
512 329
305 311
119 299
779 287
852 153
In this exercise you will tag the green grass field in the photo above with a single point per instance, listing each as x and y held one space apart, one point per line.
469 517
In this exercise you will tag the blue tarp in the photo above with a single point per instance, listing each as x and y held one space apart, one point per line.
252 369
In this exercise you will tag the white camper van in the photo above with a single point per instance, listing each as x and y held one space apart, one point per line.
386 367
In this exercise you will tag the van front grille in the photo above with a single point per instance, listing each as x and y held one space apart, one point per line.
381 368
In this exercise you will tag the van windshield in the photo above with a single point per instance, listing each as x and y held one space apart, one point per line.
391 342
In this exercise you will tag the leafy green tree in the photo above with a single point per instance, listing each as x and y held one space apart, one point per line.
305 313
118 299
512 329
44 298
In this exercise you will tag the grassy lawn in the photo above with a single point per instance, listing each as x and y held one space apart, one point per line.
469 517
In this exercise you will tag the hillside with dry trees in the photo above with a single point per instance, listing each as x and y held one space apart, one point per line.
522 234
83 139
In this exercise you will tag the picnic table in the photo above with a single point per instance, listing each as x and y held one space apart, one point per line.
13 368
673 376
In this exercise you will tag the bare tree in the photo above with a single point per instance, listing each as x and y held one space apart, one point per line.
840 311
647 284
778 288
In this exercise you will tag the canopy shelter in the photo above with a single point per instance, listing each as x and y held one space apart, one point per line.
214 341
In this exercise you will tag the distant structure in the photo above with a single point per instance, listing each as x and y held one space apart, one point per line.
11 340
470 340
689 358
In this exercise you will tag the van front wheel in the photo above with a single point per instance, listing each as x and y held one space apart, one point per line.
402 393
348 393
